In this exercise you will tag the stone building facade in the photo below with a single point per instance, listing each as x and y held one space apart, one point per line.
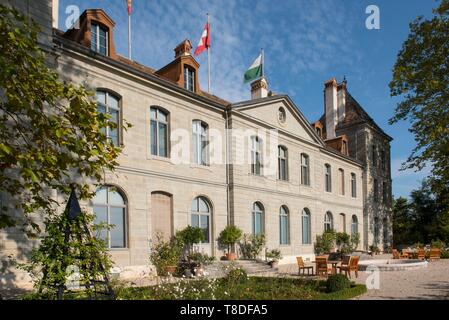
192 158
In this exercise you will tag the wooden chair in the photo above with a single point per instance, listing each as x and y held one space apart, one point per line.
435 254
302 266
352 266
421 254
345 263
322 268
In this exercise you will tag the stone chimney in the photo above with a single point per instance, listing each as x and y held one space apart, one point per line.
331 107
341 101
259 89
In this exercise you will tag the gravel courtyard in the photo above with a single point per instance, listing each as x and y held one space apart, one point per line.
426 283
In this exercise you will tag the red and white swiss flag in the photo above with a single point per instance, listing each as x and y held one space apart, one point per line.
204 43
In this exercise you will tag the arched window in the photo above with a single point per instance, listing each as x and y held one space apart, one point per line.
201 216
341 173
284 227
306 227
328 221
283 163
354 225
200 143
353 185
305 169
256 155
110 208
343 222
108 104
328 177
257 218
159 132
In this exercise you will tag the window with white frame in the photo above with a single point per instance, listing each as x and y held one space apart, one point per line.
305 170
328 177
189 78
159 132
328 221
257 216
353 185
99 39
110 208
201 216
109 104
306 227
341 173
284 226
200 143
256 155
282 163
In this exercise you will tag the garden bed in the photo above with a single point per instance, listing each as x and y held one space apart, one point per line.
254 288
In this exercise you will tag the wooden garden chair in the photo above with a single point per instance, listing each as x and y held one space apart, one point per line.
421 254
302 266
352 266
322 268
435 254
345 264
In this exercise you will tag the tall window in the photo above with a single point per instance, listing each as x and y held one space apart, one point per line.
386 237
374 156
354 225
328 221
306 227
284 236
344 148
343 222
328 178
110 208
159 132
283 163
353 185
257 218
318 132
385 192
99 39
341 173
189 78
376 190
201 216
256 155
200 143
109 104
376 231
305 169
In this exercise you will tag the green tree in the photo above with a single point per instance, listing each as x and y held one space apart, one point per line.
421 77
401 221
50 131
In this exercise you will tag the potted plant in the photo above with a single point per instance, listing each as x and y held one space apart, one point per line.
274 256
374 250
165 255
229 237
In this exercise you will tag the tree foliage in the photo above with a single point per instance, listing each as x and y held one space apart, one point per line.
422 219
80 256
50 131
421 78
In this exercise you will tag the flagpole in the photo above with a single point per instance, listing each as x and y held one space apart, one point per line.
263 62
129 36
208 54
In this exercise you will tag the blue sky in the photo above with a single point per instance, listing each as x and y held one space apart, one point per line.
305 43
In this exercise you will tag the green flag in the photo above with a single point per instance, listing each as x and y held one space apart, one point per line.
255 71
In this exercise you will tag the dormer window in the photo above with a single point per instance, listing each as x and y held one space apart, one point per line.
189 79
99 39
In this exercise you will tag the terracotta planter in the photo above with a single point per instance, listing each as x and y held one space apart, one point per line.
231 256
170 270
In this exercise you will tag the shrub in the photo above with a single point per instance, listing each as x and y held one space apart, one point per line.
165 253
198 258
444 254
337 282
235 275
229 236
325 242
190 236
251 245
437 244
355 241
274 255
